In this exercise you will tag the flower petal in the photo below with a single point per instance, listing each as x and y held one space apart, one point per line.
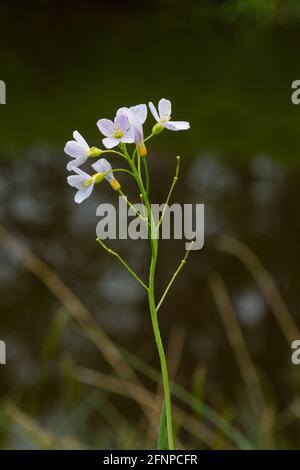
139 113
121 121
76 162
123 110
83 193
74 149
138 133
164 108
128 137
78 137
110 142
106 126
75 181
102 165
153 111
177 125
82 173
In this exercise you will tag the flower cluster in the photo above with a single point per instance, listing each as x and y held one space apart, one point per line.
126 128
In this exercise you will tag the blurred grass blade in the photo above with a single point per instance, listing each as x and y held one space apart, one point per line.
197 405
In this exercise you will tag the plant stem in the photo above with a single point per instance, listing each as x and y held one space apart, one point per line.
114 253
151 294
166 205
144 219
160 348
182 263
162 429
147 176
154 320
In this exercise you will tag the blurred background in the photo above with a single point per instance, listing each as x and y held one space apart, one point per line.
82 368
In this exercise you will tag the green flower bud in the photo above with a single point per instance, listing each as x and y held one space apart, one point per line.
98 177
94 152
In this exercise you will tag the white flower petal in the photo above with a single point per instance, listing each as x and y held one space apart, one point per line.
75 181
78 137
102 165
164 108
110 142
177 125
83 193
139 113
74 149
138 133
122 110
132 119
153 111
82 173
106 126
128 137
121 122
76 162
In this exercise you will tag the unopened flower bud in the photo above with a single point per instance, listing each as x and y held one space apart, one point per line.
115 184
141 149
139 139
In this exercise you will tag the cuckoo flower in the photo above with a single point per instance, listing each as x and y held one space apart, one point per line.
139 140
79 150
103 166
116 131
136 116
163 117
127 127
84 184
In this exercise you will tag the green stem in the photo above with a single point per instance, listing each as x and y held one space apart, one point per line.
151 296
154 320
114 253
115 152
175 179
162 429
149 137
139 170
160 348
182 263
146 175
118 170
144 219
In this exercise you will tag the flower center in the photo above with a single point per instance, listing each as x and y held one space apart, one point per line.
87 183
165 118
118 134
